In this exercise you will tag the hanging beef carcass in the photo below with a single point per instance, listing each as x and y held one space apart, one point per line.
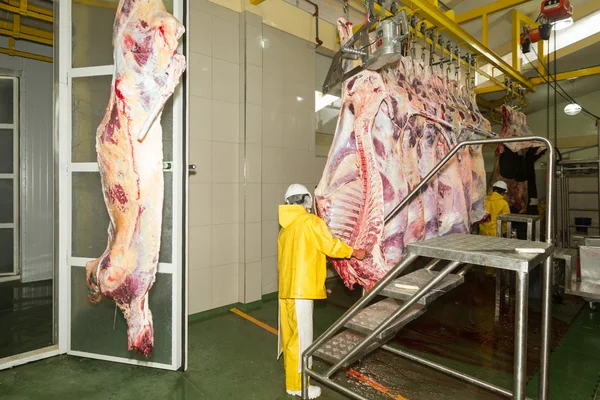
515 161
129 147
394 126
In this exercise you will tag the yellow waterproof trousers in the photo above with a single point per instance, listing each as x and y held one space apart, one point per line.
295 335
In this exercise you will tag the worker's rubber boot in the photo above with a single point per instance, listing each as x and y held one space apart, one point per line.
313 392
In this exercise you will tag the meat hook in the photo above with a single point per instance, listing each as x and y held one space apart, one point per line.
423 30
433 37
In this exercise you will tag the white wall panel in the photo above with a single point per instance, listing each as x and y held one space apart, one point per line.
37 174
36 169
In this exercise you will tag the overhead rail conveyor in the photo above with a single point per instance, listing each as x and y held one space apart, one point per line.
366 327
420 21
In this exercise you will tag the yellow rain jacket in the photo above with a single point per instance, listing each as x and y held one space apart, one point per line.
495 205
303 243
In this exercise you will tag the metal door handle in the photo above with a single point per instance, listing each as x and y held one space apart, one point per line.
191 167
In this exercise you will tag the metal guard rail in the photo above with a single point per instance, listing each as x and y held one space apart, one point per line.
402 265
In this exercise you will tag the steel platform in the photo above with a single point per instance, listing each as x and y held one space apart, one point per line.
489 251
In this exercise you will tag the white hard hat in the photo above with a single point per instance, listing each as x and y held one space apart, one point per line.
501 185
297 189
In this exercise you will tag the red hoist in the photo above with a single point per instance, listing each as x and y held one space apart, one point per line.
551 11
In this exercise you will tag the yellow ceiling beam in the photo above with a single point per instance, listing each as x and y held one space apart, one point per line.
25 10
578 73
579 12
25 32
36 9
438 18
496 6
16 53
570 75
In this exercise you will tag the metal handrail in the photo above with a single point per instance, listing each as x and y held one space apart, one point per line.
402 265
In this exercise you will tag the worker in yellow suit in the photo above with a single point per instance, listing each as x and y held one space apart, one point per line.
304 242
495 205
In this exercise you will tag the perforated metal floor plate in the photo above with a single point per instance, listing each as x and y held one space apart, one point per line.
341 344
489 251
371 317
419 279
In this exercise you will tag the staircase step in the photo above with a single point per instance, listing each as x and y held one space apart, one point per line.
419 279
371 317
338 346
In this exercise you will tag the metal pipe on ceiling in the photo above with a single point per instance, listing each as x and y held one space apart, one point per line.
316 15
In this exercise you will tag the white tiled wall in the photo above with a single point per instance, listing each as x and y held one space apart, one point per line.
288 137
251 135
214 191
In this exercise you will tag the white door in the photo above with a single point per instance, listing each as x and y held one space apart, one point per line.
85 73
9 176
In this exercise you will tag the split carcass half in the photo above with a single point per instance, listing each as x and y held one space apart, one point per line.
394 126
129 147
515 162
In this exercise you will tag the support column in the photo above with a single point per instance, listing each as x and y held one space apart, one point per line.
250 267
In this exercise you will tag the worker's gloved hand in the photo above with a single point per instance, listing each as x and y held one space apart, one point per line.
359 254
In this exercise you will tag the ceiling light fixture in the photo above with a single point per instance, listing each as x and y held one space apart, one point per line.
562 24
572 109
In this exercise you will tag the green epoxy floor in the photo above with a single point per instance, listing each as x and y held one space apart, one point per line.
231 358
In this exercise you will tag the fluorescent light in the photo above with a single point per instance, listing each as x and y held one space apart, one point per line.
572 109
322 101
562 24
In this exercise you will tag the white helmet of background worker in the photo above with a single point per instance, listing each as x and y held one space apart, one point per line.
299 194
501 185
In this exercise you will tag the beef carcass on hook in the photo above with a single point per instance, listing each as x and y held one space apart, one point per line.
394 126
129 148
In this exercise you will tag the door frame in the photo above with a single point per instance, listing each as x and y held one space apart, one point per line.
64 74
15 176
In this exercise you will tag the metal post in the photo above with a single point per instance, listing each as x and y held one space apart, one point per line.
409 303
398 269
499 295
448 371
547 280
520 364
455 150
538 228
508 229
431 265
567 212
529 230
499 223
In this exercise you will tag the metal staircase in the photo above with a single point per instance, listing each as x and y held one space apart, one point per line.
366 327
